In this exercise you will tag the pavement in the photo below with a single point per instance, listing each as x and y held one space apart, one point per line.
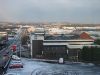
33 67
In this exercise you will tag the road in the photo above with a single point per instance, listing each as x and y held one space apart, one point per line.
7 50
42 68
11 42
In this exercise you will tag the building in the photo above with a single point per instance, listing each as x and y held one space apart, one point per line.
3 39
36 41
4 36
85 35
89 35
55 48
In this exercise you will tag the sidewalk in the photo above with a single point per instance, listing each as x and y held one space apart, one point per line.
53 61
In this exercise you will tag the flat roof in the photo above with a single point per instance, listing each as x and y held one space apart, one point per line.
55 44
79 40
39 33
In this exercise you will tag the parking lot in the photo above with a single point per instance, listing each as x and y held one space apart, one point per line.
31 67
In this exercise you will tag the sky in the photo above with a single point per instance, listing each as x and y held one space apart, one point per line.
74 11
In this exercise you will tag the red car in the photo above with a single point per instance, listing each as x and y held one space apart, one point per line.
15 64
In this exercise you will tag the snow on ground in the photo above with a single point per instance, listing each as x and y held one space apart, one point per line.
41 68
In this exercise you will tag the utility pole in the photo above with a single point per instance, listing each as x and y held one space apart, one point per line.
20 50
20 31
77 55
31 52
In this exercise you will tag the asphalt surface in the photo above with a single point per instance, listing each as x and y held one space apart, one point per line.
7 50
42 68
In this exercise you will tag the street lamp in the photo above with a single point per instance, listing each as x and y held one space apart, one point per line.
20 50
31 51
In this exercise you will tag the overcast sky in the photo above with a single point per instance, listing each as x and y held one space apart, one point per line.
78 11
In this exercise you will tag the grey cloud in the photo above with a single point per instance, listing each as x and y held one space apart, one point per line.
82 11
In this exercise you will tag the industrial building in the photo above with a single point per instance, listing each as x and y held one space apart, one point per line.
3 39
55 48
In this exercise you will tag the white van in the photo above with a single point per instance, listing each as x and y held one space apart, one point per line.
15 57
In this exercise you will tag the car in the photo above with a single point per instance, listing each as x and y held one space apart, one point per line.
12 74
15 61
15 57
16 64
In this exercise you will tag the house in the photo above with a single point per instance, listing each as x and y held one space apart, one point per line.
93 35
85 35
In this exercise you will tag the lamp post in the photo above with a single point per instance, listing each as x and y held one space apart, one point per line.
29 45
20 50
31 50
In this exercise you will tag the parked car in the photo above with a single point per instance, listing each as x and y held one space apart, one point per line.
14 57
15 64
12 74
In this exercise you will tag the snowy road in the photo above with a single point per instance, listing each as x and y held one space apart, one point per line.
41 68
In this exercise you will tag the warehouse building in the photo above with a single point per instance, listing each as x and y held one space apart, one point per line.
55 48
